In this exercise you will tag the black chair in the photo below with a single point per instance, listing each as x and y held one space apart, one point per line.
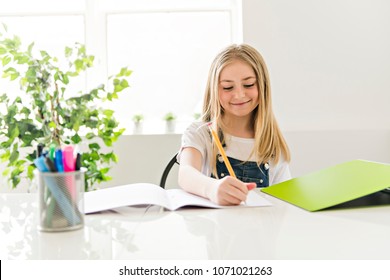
167 169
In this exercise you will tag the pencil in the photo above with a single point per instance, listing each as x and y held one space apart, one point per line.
222 152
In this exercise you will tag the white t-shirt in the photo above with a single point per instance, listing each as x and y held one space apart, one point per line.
197 136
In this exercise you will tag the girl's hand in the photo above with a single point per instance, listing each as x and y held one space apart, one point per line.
231 191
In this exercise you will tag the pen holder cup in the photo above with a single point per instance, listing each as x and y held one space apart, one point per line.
60 200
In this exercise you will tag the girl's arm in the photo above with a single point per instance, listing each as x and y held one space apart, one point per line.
226 191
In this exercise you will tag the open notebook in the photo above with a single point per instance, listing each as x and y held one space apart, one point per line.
333 185
150 194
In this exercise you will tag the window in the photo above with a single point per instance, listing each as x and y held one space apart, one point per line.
168 44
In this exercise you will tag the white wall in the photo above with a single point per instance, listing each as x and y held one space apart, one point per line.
329 61
142 158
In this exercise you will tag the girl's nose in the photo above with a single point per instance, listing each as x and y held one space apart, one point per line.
239 92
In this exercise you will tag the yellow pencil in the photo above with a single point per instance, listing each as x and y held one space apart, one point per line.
220 148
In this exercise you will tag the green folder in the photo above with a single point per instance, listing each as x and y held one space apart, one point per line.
333 185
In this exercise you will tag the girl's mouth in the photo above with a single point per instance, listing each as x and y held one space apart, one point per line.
240 103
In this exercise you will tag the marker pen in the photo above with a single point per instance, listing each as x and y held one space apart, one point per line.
68 159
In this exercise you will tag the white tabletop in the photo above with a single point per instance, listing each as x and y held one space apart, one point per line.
281 231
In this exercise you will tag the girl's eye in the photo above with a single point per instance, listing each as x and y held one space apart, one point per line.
249 86
227 88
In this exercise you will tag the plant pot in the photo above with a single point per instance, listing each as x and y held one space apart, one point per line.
138 127
170 126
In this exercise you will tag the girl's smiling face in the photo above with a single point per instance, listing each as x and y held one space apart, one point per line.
237 89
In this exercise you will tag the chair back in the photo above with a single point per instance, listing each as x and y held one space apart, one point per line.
167 169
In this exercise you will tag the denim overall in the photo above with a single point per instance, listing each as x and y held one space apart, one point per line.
247 172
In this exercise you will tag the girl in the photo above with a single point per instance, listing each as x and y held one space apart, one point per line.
238 105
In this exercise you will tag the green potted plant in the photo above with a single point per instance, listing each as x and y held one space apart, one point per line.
137 120
170 122
46 112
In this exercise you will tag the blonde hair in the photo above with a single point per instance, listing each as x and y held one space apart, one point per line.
269 141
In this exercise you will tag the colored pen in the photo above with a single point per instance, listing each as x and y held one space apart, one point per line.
69 166
68 159
78 161
39 149
44 153
58 160
222 152
51 151
41 164
50 165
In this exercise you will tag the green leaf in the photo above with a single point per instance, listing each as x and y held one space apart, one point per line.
30 47
13 157
52 125
106 178
79 65
20 164
6 172
13 131
30 172
104 170
64 79
90 135
68 51
6 144
21 59
6 60
108 141
5 156
108 113
76 138
44 54
76 126
94 155
124 72
114 158
94 146
14 76
124 84
81 49
4 98
31 75
15 178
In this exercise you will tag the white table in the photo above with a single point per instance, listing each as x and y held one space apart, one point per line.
281 231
